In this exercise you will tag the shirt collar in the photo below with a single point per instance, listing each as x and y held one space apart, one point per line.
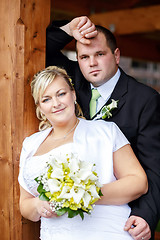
107 88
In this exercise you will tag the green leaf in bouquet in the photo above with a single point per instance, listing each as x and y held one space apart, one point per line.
61 211
43 197
81 214
36 179
100 193
72 213
40 188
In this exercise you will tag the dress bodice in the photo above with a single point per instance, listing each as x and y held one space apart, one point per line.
34 166
105 221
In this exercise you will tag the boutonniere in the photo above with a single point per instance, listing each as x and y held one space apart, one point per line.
106 110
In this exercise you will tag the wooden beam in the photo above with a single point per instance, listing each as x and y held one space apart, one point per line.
139 48
63 8
22 47
70 8
130 21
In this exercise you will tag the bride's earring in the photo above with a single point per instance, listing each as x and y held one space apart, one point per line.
75 102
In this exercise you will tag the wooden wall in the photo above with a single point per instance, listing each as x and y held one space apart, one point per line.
22 53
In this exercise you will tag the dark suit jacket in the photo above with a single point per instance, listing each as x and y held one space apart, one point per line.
137 115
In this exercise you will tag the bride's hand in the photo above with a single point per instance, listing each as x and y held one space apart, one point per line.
44 209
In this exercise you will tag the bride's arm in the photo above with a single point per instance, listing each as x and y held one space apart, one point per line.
131 180
33 208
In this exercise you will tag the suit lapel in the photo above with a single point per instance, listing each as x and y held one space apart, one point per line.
118 93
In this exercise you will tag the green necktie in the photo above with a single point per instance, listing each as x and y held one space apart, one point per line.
93 102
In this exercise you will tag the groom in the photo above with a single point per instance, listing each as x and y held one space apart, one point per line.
137 113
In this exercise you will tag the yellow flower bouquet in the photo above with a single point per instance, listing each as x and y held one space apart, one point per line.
69 184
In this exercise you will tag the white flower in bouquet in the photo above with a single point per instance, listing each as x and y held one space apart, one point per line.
71 185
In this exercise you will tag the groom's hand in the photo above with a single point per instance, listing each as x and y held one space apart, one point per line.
138 228
81 28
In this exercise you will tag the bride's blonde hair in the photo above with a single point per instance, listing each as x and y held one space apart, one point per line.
40 82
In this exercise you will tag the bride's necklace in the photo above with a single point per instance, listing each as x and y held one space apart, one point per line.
66 133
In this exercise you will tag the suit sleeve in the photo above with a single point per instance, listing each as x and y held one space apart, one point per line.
148 152
56 40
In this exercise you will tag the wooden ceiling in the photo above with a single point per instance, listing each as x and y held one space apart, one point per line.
136 23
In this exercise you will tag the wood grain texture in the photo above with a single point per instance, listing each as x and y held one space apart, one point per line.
130 21
22 47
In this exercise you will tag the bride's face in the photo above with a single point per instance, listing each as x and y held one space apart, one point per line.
58 102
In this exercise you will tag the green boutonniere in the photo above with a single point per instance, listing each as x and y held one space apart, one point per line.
106 110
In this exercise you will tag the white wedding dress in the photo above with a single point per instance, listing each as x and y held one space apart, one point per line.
105 222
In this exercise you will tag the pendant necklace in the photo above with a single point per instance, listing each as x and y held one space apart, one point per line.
66 133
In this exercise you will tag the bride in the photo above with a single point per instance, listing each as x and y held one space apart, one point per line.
64 130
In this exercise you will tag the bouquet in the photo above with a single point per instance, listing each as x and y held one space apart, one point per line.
69 184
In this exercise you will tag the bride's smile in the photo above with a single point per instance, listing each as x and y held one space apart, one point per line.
58 102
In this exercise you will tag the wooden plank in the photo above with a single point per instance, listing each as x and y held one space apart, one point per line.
6 167
17 110
22 47
69 9
34 29
130 21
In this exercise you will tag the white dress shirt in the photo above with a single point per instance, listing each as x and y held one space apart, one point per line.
106 90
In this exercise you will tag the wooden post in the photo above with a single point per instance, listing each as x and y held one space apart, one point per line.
22 53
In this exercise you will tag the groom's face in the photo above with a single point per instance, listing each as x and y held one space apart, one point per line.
97 62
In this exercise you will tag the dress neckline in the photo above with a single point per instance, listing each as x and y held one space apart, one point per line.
74 140
52 150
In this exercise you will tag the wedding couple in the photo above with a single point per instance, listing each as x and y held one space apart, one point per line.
137 116
65 132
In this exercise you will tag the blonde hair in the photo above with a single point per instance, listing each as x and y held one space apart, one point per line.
40 82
